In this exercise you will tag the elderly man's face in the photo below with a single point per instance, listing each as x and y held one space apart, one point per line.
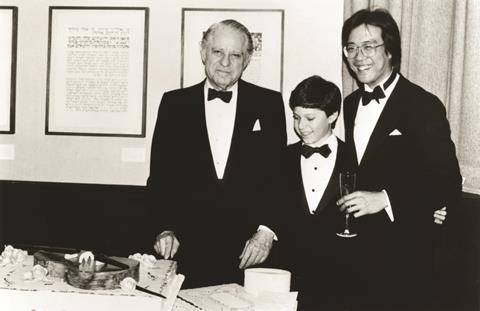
225 57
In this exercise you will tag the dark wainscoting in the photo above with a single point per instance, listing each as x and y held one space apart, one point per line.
112 219
106 218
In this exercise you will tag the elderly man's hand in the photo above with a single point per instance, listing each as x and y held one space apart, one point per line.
256 249
166 244
440 215
362 203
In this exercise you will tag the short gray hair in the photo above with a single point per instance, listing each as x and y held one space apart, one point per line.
233 24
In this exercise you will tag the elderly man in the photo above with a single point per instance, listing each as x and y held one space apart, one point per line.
215 150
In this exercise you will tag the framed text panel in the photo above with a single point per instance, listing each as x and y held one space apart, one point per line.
8 65
97 70
266 27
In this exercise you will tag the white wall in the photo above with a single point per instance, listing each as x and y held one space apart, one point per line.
311 46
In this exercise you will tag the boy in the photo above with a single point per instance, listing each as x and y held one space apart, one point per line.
310 245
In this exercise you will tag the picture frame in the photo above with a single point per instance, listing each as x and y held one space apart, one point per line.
97 71
267 29
8 67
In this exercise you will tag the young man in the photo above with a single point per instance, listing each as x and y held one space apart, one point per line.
398 139
215 149
316 256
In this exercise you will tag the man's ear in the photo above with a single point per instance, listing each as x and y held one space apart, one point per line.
203 52
247 60
333 117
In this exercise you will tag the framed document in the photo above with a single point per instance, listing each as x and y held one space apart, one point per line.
97 71
8 65
266 26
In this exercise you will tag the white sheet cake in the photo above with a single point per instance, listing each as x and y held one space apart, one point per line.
23 288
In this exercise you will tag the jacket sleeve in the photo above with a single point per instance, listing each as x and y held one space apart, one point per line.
274 164
162 179
437 179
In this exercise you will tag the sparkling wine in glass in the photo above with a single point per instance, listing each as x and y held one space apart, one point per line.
347 186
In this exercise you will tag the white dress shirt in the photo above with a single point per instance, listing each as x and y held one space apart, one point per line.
317 171
365 122
220 118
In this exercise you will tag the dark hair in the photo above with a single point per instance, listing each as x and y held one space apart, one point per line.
316 92
234 25
390 34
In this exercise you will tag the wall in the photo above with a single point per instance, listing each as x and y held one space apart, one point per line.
311 46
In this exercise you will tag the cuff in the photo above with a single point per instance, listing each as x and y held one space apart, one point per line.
388 209
262 227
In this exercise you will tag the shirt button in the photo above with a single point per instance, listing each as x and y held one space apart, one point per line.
315 168
313 190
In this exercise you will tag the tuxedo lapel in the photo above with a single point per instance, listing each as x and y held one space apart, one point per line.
296 176
241 118
350 112
202 143
387 121
331 192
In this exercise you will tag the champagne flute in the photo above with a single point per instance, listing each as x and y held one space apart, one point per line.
347 186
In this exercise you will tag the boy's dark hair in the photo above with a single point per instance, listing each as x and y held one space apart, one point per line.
316 92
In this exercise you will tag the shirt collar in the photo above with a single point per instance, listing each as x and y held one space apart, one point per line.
331 140
390 86
233 88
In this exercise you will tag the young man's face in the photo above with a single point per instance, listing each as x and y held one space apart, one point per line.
312 125
225 57
370 70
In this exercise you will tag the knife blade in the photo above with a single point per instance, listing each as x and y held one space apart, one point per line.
143 289
54 249
108 260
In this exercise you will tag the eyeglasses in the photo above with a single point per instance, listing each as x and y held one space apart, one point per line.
368 50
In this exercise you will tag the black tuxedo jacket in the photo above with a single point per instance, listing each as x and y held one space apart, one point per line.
307 233
213 218
311 250
325 218
418 169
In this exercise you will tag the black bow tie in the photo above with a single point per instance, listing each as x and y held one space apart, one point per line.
377 94
225 96
324 150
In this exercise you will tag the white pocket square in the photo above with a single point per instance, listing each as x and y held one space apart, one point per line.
395 133
256 126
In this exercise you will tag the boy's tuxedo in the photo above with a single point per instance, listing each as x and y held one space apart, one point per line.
309 244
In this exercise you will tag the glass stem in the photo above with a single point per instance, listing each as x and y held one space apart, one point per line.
347 228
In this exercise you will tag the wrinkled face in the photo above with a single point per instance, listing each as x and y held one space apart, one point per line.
369 70
225 57
312 125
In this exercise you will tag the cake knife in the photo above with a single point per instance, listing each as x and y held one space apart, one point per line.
143 289
110 261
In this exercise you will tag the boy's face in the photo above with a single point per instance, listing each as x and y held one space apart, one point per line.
312 125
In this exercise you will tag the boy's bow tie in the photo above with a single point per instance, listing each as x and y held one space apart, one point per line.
324 150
